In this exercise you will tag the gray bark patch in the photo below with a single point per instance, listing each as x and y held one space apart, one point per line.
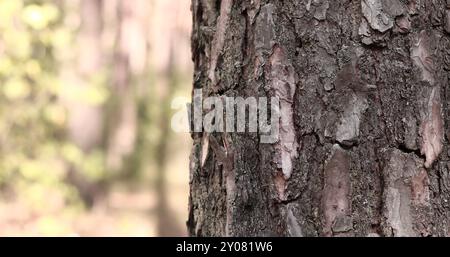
432 129
348 129
421 55
376 16
406 185
283 83
219 38
336 192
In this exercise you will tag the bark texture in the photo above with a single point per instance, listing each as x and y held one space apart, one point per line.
364 88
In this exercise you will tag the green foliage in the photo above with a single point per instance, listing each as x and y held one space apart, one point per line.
35 155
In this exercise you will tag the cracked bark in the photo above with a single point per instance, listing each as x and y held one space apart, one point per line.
367 84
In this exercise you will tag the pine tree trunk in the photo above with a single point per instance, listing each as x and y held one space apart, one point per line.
365 87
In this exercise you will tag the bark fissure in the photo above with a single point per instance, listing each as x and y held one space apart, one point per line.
219 38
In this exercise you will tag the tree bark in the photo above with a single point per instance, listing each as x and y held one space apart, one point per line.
364 85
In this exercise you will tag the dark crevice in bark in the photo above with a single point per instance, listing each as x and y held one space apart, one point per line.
406 150
291 199
314 134
380 214
439 184
347 146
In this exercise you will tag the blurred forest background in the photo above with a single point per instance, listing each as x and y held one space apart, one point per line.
86 147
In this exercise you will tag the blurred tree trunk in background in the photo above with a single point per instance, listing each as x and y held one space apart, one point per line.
87 135
167 225
170 68
363 88
122 117
86 118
